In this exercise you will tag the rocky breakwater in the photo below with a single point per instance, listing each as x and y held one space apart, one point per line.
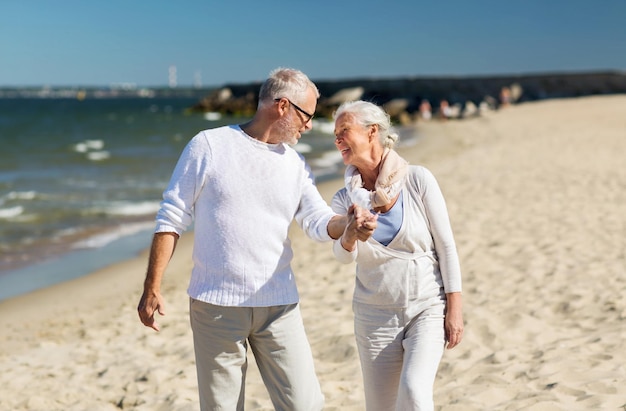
410 98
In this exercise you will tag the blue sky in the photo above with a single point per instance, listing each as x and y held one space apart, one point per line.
98 43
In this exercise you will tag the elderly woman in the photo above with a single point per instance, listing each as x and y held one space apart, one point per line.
407 298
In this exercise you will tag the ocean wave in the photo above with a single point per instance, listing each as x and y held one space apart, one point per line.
21 195
66 232
324 126
303 148
328 159
93 150
131 208
98 155
87 145
102 239
328 165
11 212
212 116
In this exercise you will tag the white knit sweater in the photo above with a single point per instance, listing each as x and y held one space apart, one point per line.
242 195
420 261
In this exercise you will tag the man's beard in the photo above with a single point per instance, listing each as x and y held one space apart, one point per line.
286 132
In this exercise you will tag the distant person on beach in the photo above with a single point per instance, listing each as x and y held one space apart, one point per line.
407 298
425 109
242 186
505 97
445 111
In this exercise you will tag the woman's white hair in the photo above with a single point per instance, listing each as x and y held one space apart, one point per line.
367 114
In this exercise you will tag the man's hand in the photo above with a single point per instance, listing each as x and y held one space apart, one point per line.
150 303
366 223
361 224
161 250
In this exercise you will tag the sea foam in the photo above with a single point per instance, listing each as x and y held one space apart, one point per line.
21 195
88 145
100 240
98 155
122 208
11 212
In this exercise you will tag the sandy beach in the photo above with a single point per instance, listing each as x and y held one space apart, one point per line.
537 199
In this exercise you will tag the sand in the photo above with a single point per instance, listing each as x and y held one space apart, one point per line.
537 198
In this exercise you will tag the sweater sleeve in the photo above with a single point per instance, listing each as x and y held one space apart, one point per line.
341 254
176 212
441 231
313 213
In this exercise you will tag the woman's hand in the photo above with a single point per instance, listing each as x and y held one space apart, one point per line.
361 225
454 320
366 223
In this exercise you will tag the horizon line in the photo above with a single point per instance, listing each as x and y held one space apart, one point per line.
120 85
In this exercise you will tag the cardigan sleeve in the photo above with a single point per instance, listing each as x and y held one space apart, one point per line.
441 230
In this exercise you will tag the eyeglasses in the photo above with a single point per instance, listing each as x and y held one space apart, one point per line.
309 117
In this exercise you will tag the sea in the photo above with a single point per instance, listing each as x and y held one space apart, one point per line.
81 180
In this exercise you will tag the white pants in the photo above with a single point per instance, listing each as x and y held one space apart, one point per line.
400 350
276 336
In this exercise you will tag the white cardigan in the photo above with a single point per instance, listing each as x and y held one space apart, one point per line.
422 258
242 195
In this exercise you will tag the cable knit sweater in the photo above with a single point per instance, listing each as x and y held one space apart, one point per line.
420 261
242 195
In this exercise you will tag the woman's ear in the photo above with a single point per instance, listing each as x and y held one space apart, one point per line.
373 131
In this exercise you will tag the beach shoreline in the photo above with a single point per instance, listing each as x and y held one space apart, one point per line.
536 196
80 251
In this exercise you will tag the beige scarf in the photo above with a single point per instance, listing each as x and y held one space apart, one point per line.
393 170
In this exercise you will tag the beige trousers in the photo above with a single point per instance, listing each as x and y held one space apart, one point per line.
400 350
221 336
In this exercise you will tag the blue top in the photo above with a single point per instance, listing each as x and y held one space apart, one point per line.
389 223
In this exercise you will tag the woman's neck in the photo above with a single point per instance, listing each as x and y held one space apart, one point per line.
369 176
370 169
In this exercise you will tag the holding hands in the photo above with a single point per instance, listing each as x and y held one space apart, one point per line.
361 225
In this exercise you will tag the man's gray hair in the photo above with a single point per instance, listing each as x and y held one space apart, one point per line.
286 82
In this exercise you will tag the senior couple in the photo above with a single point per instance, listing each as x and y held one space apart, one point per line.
242 186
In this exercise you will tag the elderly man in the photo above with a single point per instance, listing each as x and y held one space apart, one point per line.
243 185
